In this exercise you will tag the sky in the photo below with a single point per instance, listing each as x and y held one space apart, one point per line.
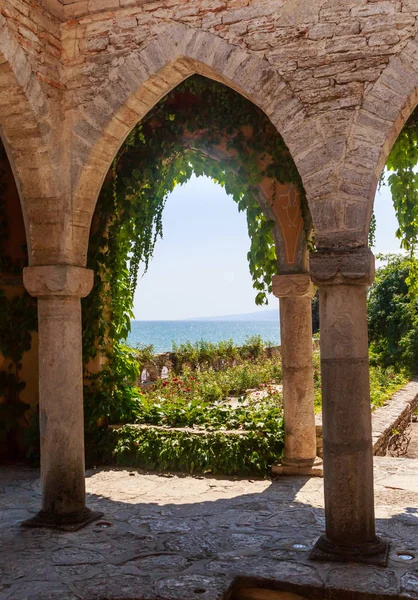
200 269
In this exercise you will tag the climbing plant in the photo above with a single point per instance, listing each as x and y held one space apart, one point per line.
17 322
403 182
173 142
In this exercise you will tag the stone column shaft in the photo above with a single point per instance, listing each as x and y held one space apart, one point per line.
343 278
295 293
59 289
60 408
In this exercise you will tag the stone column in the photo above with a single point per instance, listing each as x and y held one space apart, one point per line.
343 277
59 289
296 292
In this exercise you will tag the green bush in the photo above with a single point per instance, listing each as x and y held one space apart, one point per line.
203 355
384 382
214 452
393 316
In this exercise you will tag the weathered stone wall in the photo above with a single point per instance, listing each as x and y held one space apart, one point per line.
395 415
338 78
328 55
39 34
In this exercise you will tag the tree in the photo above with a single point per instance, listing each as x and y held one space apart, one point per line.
393 315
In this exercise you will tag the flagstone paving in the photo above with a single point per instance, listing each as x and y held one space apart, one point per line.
178 537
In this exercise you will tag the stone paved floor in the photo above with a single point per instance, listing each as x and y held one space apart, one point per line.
189 537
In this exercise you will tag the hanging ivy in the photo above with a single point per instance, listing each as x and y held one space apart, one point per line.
166 148
403 182
17 322
174 141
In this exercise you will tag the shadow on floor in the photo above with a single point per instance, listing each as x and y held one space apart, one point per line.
181 538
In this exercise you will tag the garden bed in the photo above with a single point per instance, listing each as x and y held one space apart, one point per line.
219 410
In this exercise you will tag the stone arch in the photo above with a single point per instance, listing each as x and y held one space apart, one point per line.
148 75
26 130
386 108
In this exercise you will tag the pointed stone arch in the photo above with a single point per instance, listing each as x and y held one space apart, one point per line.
385 109
27 132
147 75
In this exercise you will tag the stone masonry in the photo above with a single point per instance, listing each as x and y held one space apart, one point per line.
337 78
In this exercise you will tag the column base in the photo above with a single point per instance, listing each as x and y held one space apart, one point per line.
373 553
68 522
303 468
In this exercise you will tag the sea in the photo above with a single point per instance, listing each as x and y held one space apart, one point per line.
162 334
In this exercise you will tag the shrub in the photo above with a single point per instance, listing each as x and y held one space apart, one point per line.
214 452
393 316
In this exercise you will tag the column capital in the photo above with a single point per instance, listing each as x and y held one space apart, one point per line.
58 280
293 285
342 267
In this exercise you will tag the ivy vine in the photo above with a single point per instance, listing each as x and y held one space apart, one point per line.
174 141
403 182
17 322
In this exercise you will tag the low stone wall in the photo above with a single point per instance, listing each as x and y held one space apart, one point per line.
395 415
163 363
319 440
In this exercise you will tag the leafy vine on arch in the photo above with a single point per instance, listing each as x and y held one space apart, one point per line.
153 160
156 156
403 182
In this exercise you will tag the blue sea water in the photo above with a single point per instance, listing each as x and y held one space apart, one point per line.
161 334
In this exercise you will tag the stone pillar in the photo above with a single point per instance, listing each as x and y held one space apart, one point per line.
59 289
296 292
343 277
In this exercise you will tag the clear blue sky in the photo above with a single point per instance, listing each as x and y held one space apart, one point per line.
200 267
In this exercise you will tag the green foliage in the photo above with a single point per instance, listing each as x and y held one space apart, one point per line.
393 316
144 355
403 182
214 452
191 410
170 144
212 385
195 399
189 400
18 320
111 396
186 422
202 355
384 382
315 313
372 230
